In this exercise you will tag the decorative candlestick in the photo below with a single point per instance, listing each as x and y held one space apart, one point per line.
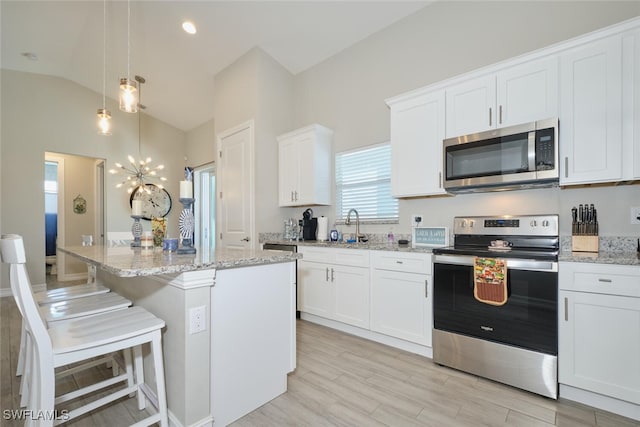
186 226
136 230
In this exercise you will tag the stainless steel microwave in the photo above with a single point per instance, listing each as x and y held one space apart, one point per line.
520 156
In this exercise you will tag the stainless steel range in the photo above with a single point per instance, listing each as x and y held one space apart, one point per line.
515 343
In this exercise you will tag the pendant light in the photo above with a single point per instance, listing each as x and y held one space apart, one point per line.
104 115
139 173
128 88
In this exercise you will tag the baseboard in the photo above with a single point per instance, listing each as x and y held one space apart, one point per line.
72 277
6 292
609 404
370 335
152 398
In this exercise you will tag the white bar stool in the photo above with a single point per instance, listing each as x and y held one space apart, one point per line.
76 340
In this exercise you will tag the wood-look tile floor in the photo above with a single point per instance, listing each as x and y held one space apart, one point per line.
343 380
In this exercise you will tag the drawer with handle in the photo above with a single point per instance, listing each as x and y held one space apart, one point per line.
607 279
402 261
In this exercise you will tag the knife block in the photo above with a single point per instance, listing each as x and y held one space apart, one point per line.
585 243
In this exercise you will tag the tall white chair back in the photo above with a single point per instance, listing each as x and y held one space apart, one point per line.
119 238
80 340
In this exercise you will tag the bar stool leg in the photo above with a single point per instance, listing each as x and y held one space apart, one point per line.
156 348
139 372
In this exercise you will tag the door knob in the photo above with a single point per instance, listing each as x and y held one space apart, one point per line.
246 239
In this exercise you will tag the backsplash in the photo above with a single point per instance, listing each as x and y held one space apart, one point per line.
607 244
376 238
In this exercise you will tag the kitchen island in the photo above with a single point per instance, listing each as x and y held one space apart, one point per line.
229 340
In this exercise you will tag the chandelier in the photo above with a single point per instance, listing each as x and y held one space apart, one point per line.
137 174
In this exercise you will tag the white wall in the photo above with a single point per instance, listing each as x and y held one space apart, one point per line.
43 113
257 87
347 93
201 144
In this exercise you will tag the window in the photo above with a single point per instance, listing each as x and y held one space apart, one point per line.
363 182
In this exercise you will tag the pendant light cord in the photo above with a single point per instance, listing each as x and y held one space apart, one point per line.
104 55
128 39
139 114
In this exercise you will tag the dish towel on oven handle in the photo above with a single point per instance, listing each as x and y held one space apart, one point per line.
490 280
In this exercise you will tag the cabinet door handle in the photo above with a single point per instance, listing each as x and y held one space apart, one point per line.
566 167
332 274
500 115
292 196
490 119
296 193
327 276
426 288
399 262
439 179
566 309
605 280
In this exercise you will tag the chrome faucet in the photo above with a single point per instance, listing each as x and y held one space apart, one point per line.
348 222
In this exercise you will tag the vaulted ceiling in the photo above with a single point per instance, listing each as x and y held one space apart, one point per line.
66 39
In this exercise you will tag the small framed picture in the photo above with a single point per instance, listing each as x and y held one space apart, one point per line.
429 237
79 205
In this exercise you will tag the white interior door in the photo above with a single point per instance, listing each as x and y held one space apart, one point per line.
236 189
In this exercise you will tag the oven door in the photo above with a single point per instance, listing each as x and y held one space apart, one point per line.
527 320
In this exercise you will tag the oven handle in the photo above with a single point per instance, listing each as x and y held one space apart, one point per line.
513 264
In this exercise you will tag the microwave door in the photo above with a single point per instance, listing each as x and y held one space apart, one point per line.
498 160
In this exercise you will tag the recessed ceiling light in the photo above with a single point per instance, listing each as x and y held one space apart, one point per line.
189 27
30 55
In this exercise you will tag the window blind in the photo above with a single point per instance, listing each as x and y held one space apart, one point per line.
363 182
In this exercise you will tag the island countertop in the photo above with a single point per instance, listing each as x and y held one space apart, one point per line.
124 261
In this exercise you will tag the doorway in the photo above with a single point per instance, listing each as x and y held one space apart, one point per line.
204 178
236 198
74 206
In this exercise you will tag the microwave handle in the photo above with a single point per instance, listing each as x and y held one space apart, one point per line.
532 151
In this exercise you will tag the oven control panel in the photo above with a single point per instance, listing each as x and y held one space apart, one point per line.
522 225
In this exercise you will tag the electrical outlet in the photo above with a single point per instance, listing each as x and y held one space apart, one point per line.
197 319
416 219
635 215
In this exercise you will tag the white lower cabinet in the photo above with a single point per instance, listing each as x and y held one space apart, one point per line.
401 305
599 329
334 284
388 293
351 295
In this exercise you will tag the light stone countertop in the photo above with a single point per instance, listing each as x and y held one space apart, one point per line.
124 261
373 246
619 258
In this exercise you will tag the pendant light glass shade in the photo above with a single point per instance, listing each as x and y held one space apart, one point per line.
128 95
104 122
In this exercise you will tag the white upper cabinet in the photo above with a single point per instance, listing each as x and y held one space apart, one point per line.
519 94
591 112
471 106
305 167
527 92
417 131
631 100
